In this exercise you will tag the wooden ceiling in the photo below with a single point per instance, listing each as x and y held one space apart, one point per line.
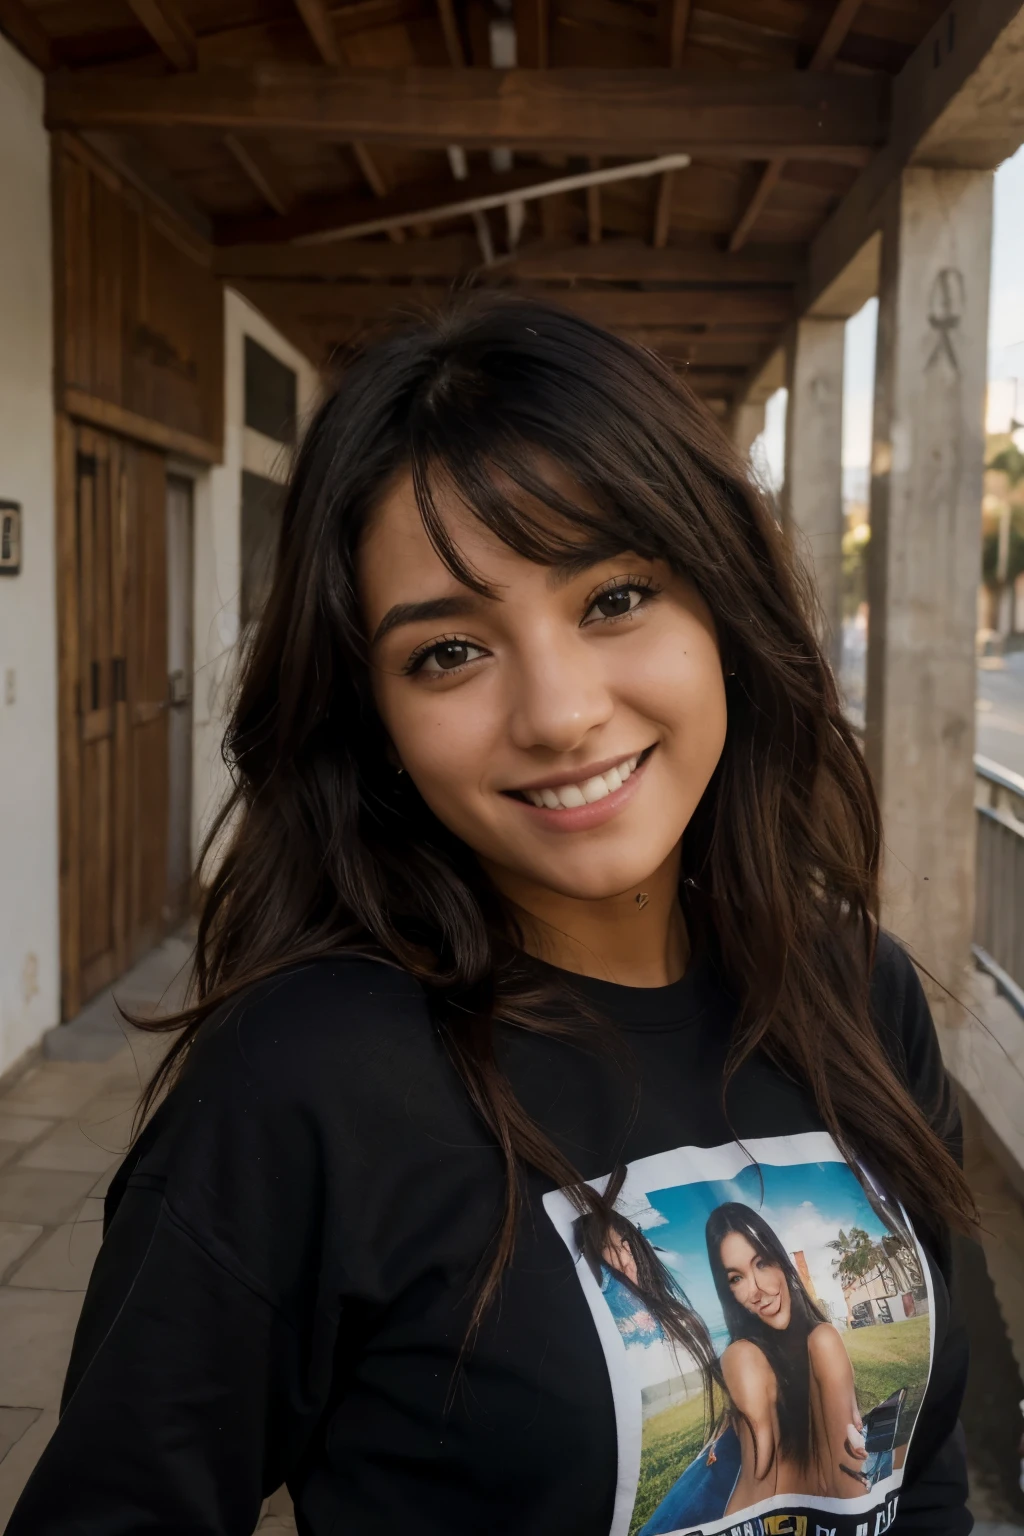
341 160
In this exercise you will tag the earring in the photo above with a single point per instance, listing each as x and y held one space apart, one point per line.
398 772
642 899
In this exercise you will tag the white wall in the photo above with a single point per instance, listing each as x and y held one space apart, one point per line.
29 924
218 495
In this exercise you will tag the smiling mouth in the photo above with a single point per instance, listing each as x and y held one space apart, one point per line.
569 797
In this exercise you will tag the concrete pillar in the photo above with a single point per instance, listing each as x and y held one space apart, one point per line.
812 498
926 488
746 424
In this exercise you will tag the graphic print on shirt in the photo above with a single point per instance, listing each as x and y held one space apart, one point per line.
767 1321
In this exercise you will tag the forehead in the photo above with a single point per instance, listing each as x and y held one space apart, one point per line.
397 558
738 1247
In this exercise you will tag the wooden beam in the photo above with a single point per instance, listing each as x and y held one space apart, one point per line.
590 111
832 39
19 24
170 30
594 205
115 418
452 36
450 257
143 171
346 219
958 101
533 27
767 182
321 29
257 161
318 304
679 21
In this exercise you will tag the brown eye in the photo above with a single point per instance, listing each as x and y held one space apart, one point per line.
453 653
618 601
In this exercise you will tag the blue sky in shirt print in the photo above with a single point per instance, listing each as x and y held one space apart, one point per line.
805 1203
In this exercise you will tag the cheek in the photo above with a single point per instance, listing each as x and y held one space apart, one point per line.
676 681
444 738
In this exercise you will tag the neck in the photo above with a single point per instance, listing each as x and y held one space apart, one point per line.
637 943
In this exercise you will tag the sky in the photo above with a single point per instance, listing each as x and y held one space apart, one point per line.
1006 340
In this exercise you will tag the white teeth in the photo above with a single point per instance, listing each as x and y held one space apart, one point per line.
569 796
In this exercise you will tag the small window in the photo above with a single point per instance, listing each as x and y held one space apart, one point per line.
270 394
262 501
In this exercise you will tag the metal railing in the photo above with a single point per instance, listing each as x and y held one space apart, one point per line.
999 879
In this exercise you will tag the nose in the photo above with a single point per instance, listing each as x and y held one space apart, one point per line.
561 694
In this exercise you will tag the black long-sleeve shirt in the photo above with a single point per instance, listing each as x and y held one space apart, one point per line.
293 1246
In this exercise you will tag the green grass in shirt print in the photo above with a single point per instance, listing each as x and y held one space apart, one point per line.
823 1287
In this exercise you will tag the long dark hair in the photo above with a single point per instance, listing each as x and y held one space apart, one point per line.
784 1349
321 849
655 1286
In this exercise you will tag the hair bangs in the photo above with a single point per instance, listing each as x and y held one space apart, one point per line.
507 485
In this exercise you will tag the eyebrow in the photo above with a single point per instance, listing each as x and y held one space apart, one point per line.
457 606
461 605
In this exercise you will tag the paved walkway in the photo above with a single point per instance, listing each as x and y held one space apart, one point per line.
65 1123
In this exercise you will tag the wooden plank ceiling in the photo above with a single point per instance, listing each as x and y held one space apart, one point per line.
660 166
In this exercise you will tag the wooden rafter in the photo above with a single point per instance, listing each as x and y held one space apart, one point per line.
18 23
448 257
594 205
679 21
590 111
320 27
677 311
452 35
257 161
831 41
425 204
533 26
170 30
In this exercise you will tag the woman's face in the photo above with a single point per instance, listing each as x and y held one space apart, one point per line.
565 727
618 1255
758 1285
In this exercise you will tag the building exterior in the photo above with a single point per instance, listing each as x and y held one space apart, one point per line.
205 201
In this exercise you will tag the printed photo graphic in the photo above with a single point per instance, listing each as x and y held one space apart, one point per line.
767 1327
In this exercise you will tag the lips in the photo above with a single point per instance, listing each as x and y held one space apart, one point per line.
567 795
566 806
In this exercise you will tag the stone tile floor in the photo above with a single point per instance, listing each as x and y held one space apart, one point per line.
65 1121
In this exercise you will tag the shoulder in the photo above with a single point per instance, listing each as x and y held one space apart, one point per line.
328 1044
905 1027
745 1368
306 1018
825 1347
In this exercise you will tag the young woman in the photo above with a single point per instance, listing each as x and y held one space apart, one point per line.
786 1369
549 849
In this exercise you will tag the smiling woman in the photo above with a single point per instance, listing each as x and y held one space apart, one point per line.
549 847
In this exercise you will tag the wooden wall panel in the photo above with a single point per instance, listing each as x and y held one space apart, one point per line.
140 327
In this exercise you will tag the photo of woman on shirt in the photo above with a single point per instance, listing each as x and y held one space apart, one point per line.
788 1375
760 1393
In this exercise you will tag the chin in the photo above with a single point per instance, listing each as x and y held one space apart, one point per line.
599 881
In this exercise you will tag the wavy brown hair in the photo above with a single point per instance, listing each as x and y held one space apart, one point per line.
328 851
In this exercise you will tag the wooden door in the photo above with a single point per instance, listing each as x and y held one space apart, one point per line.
179 691
147 807
100 712
114 757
